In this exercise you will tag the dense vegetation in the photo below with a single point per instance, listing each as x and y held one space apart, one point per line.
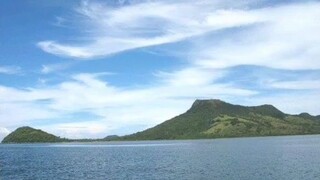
30 135
215 118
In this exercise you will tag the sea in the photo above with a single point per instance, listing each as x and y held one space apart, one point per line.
283 157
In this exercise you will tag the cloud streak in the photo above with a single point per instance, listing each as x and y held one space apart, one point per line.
10 70
113 30
297 85
285 40
50 68
283 36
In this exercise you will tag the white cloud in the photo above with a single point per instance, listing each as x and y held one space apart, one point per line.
78 130
282 36
287 39
23 113
9 69
112 30
191 76
292 103
49 68
60 21
3 132
296 85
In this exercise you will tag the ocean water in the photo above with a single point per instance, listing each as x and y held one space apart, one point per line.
289 157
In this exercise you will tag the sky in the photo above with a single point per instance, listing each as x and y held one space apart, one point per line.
95 68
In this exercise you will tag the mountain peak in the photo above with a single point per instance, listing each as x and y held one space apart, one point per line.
218 106
212 102
25 127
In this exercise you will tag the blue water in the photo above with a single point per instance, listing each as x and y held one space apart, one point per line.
290 157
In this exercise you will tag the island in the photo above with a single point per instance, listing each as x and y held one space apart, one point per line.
30 135
211 118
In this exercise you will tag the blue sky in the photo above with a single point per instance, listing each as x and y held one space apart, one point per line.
94 68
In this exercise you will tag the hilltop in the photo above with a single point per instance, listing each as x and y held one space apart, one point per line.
216 118
30 135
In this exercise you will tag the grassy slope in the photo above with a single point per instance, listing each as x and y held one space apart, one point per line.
214 118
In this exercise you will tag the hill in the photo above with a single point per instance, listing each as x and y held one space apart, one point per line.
215 119
30 135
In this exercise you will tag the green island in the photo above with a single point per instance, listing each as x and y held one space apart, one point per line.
205 119
30 135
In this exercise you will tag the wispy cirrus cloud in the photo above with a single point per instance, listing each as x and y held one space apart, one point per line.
285 40
10 70
297 85
116 29
49 68
59 21
238 33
